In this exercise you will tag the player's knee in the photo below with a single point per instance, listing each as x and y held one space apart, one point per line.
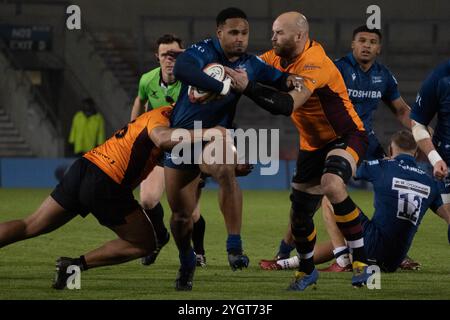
331 185
181 217
337 171
149 202
149 197
303 207
224 173
305 202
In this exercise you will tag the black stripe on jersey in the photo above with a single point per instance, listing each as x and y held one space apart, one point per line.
139 157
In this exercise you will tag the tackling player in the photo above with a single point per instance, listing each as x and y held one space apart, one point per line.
102 182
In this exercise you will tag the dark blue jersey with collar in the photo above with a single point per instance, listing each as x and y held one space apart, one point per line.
220 111
366 89
403 193
434 98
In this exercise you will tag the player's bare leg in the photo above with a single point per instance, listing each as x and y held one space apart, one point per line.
48 217
151 191
181 188
136 238
340 250
340 165
230 202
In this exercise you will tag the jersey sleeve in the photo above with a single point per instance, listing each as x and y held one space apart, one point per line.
426 104
269 75
368 170
189 68
391 92
160 118
267 57
201 52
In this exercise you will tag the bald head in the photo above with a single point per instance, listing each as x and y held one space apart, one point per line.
290 33
294 21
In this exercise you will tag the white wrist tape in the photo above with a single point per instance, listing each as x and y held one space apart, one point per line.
434 157
420 132
226 86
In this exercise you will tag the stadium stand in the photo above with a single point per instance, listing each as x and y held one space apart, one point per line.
106 57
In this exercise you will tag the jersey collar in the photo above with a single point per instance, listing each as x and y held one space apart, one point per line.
354 63
405 157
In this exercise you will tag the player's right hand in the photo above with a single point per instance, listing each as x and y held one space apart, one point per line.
440 170
239 78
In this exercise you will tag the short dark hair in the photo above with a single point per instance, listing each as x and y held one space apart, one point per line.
229 13
364 28
167 39
404 139
88 102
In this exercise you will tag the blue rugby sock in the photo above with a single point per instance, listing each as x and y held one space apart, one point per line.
285 250
234 244
188 259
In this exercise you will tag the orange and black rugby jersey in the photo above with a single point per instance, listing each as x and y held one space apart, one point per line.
328 113
129 155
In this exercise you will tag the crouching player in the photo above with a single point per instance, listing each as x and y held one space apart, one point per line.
102 182
403 193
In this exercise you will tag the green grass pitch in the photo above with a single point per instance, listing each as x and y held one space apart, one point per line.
27 268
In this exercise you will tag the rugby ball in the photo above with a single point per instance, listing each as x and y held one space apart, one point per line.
214 70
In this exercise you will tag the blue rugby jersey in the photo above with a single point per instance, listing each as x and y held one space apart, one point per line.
434 98
220 111
403 193
366 89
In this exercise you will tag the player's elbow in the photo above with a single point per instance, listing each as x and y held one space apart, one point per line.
419 131
161 137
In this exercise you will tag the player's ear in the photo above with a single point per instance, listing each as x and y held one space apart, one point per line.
379 50
157 56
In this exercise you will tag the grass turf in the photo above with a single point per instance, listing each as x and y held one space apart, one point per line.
27 268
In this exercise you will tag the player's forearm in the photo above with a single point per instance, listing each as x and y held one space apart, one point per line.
271 100
188 71
402 112
137 109
167 138
404 119
422 137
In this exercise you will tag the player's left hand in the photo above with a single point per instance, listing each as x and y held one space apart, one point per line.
239 78
294 82
174 53
440 170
